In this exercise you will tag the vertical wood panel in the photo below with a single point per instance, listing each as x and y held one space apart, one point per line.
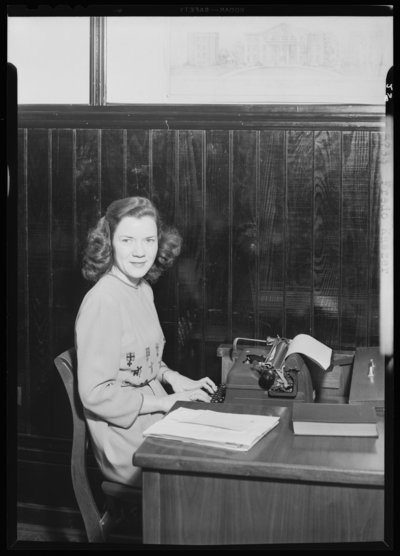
88 192
112 167
65 272
163 196
50 308
244 232
137 163
63 222
223 190
327 176
300 150
23 312
217 245
190 263
355 247
374 250
39 286
272 232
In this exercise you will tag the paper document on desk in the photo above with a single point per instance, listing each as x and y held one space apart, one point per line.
308 346
212 428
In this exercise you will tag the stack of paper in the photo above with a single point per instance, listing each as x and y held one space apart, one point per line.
310 347
212 428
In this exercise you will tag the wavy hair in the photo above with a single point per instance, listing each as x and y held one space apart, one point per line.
98 256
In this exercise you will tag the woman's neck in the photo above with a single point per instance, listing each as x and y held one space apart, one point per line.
127 279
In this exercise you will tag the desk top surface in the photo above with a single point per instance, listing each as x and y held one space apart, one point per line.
280 454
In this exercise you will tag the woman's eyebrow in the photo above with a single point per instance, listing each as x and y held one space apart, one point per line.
131 237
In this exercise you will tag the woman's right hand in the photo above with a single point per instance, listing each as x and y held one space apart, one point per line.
198 395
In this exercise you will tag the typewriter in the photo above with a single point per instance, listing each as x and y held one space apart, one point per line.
262 375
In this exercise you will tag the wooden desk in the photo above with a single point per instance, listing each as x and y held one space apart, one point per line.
286 489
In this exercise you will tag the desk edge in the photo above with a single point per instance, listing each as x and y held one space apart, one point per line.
262 470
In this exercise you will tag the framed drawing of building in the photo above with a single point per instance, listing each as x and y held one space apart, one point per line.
278 59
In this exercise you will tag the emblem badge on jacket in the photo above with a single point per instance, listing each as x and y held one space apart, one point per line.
130 357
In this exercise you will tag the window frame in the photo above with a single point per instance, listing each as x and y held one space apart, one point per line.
98 113
98 62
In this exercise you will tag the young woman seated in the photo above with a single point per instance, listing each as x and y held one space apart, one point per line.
119 339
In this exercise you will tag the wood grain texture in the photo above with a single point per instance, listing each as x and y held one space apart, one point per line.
189 220
88 184
245 240
355 244
39 280
215 186
224 511
112 167
88 192
152 507
333 387
299 221
205 117
374 237
286 489
65 272
23 310
137 163
163 194
271 223
217 246
62 224
163 186
278 455
326 265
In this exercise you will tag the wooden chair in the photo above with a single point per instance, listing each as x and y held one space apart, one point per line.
97 526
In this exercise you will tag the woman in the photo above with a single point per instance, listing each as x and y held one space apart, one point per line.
119 339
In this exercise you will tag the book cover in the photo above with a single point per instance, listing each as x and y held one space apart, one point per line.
333 413
334 420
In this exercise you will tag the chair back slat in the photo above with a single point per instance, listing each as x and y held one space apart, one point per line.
66 364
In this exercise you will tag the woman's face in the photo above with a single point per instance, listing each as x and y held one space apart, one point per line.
135 246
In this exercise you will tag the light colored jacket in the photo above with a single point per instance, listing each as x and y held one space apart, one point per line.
119 344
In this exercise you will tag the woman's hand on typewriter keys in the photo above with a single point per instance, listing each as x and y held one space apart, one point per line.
197 395
182 383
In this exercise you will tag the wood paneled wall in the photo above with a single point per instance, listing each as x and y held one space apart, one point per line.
280 232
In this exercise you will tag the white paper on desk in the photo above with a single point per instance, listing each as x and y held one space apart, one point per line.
230 421
237 432
310 347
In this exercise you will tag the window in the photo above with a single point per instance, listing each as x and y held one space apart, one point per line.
136 59
182 60
52 59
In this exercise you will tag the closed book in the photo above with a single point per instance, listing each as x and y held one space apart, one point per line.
334 420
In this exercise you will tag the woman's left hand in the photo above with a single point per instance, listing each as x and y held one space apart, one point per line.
182 383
